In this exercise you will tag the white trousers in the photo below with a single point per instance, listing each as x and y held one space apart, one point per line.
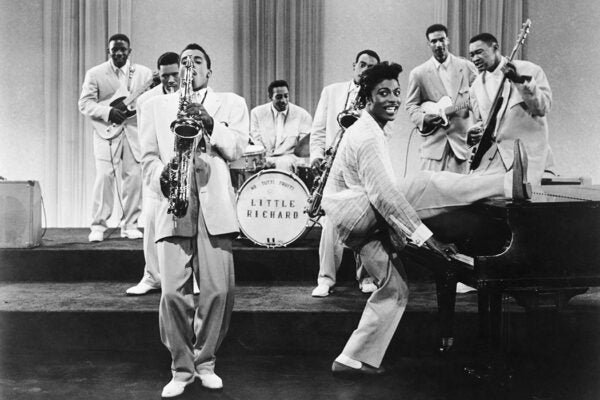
180 321
104 185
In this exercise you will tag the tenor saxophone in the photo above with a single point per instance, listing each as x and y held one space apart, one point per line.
345 120
186 128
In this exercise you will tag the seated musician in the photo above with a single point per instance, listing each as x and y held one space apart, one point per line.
526 101
278 126
375 214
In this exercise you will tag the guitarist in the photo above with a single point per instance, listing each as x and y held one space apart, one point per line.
102 82
526 99
444 74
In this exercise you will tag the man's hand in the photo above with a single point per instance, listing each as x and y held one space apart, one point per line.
474 135
197 110
511 74
116 116
431 120
316 166
165 180
443 249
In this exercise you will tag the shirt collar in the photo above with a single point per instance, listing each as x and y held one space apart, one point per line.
275 111
498 71
445 64
124 68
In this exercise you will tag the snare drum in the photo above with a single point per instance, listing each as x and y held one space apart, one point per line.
270 208
250 163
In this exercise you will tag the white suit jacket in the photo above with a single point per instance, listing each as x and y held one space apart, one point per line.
522 115
262 128
424 84
101 84
227 143
325 126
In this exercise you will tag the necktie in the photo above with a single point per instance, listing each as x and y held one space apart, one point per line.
279 128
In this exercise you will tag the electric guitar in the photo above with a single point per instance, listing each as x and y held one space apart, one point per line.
443 108
126 103
488 137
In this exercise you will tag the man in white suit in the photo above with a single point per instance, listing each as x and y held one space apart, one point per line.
376 215
114 78
278 126
527 98
444 148
335 98
201 240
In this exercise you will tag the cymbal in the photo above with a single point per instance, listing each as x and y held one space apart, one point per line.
303 147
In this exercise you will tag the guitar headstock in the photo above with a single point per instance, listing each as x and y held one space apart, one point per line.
524 31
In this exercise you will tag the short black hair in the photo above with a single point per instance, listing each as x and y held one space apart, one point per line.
167 58
196 46
436 28
277 83
484 37
119 36
374 75
368 52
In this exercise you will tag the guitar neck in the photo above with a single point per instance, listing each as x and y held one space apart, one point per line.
457 107
133 96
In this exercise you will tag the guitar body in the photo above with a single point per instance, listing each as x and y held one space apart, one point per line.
445 109
125 103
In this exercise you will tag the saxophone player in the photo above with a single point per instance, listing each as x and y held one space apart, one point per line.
200 240
335 98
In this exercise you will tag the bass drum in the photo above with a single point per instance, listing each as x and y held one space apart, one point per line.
270 208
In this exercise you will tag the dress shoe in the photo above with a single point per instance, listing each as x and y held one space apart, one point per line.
141 289
174 388
210 380
131 234
367 285
321 290
343 371
96 236
521 188
446 345
462 288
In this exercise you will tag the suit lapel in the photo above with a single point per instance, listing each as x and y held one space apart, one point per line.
435 80
212 103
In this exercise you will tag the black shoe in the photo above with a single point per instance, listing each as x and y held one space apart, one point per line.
343 371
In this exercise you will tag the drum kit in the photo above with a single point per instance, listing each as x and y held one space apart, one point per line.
270 202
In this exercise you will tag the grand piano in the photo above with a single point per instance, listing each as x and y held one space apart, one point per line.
542 252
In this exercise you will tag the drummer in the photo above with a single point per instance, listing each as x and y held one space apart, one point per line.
278 126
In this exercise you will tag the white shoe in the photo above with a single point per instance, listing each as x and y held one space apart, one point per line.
96 236
174 388
141 289
321 290
367 286
462 288
131 234
210 380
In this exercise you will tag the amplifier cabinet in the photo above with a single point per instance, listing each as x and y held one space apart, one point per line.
20 214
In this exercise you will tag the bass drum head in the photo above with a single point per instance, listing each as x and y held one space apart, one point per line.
270 208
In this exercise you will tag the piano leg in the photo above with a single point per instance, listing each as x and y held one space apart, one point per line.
446 299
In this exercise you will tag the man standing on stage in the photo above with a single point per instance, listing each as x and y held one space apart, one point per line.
335 98
444 148
201 240
117 76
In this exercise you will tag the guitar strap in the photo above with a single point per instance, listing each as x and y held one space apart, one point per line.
130 77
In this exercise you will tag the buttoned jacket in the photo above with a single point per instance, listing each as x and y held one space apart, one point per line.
425 84
214 192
